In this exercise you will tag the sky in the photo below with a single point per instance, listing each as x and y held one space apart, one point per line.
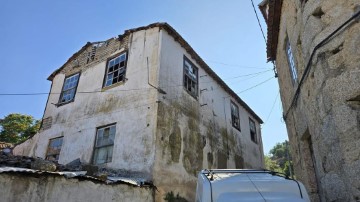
37 37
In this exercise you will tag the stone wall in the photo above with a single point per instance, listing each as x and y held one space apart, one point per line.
19 187
324 125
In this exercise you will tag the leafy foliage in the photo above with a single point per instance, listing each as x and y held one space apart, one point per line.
280 159
16 128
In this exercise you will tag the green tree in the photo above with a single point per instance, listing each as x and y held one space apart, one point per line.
280 155
271 164
15 128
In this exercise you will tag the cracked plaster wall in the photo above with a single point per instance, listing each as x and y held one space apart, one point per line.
194 133
169 138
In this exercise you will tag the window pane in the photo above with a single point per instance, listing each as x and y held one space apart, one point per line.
54 148
104 144
100 155
117 60
105 136
122 57
68 92
112 62
116 67
99 137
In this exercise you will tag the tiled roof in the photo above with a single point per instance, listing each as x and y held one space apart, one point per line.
273 26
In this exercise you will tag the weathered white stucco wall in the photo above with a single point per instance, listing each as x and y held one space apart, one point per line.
26 188
196 133
132 106
167 137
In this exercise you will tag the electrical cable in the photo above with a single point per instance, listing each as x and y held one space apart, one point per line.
125 90
235 65
267 118
257 17
255 85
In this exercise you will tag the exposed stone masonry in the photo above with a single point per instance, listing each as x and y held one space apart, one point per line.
324 125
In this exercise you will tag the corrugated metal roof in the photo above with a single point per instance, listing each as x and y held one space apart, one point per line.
80 174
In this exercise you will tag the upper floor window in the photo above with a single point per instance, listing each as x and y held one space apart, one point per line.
252 127
235 116
104 144
69 88
54 148
115 70
190 77
291 61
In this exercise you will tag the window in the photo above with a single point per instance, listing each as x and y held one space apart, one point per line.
252 130
54 148
104 144
190 77
69 88
291 62
115 70
235 118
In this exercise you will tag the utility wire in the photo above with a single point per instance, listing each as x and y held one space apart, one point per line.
251 87
255 85
125 90
267 118
236 65
257 17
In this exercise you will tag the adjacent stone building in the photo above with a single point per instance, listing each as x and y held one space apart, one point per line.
145 102
315 45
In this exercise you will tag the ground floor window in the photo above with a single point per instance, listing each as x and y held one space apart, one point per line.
252 130
104 144
54 148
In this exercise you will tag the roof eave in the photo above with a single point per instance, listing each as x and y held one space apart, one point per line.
273 22
188 48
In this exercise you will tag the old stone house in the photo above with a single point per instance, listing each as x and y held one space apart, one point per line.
315 47
146 102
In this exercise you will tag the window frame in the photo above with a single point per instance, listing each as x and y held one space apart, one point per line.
58 154
253 134
185 75
107 68
291 61
94 156
232 115
75 88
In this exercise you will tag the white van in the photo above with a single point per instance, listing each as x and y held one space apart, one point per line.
225 185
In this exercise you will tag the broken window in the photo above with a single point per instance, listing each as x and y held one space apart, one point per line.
54 148
235 117
252 130
69 89
115 71
104 144
291 61
190 77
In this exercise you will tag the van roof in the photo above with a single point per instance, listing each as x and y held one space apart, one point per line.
253 185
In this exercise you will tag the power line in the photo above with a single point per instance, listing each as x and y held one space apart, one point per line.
125 90
252 87
236 65
255 85
267 118
257 17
